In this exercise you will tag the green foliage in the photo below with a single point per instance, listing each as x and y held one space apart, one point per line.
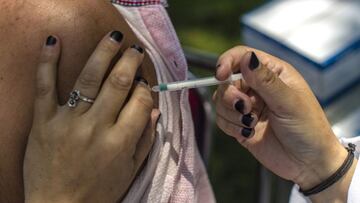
212 25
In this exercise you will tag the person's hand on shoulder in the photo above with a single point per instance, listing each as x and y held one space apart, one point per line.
273 113
90 149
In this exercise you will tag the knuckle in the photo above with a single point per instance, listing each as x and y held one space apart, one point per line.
219 123
98 60
110 142
267 78
146 101
228 98
86 130
219 112
83 134
42 89
108 47
89 80
40 133
47 56
133 56
243 142
242 47
226 130
120 81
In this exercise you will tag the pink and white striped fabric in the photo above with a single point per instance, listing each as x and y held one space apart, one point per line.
174 171
139 2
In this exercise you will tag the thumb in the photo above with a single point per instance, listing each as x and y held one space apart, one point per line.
275 93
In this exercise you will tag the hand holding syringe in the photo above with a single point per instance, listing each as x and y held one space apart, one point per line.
188 84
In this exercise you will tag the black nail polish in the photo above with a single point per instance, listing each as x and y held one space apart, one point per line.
157 120
50 41
254 61
247 119
218 66
117 36
246 132
141 79
239 106
216 69
138 48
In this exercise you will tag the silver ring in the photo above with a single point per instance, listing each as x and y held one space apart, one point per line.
76 96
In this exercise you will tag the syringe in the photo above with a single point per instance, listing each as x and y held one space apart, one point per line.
188 84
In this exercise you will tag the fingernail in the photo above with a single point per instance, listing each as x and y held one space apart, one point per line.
50 41
254 61
247 119
142 80
246 132
239 106
138 48
217 68
157 120
117 36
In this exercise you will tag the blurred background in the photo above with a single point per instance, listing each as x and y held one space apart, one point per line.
300 32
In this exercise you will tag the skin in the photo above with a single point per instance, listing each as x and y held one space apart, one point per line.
24 25
89 153
290 135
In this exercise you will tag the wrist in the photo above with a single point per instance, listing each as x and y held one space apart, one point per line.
329 161
339 191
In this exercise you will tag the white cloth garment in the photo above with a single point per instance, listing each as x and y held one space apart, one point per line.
174 171
354 190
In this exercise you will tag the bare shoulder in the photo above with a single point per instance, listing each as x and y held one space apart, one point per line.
80 24
24 26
